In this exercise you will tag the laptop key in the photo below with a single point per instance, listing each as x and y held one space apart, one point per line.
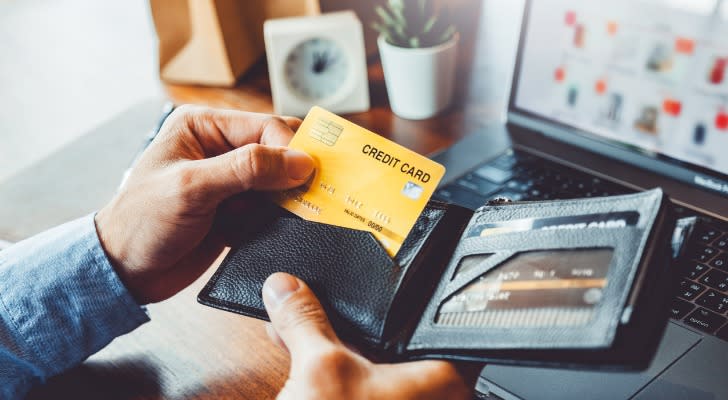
704 320
493 174
720 261
680 308
457 195
716 279
690 290
693 270
505 162
713 300
477 184
722 243
701 253
520 185
707 234
723 332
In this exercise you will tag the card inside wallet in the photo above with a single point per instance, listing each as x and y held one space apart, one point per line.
564 283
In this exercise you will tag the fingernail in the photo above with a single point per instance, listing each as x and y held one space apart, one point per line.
299 165
278 287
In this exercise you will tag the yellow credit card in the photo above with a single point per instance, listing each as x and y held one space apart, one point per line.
362 180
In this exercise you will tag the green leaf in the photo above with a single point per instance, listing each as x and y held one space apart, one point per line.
397 14
384 15
429 24
397 5
447 34
378 27
413 23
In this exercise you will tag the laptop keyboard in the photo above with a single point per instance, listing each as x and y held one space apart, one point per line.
702 299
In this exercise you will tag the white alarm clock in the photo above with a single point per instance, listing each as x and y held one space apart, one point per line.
317 60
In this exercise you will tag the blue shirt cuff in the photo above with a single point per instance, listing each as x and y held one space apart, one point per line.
60 298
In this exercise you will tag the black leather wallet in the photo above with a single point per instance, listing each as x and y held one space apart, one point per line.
563 283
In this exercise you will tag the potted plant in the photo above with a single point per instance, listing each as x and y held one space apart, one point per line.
418 48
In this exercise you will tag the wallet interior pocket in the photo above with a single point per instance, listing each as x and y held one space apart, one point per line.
350 272
532 290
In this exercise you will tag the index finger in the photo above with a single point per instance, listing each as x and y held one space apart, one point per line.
221 130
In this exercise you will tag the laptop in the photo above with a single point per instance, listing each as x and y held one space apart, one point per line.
610 98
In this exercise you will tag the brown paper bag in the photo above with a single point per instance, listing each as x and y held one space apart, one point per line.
213 42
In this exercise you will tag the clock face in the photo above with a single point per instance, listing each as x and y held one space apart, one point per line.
316 69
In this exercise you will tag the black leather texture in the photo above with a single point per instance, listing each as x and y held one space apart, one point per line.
348 269
388 306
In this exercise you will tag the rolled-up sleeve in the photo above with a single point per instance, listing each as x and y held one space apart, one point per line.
60 302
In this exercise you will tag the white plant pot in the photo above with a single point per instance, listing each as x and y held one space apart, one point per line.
420 81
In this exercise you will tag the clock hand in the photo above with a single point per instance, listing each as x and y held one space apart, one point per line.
321 61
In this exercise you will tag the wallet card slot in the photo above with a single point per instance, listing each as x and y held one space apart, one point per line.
622 243
532 289
518 242
462 278
469 262
349 270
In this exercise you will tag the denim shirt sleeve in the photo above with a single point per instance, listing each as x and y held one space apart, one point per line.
60 302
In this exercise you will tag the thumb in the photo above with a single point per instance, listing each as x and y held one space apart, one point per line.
297 316
253 167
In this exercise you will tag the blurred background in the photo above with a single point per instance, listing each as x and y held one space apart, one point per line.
66 66
69 65
80 89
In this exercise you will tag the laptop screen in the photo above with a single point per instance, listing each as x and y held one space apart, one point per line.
647 77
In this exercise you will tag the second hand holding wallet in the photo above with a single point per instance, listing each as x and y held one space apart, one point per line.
560 283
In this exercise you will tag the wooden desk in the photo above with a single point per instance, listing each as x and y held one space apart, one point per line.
189 351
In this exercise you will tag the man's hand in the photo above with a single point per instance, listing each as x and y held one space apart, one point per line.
157 231
323 368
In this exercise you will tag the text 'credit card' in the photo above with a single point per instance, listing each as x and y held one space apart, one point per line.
362 180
